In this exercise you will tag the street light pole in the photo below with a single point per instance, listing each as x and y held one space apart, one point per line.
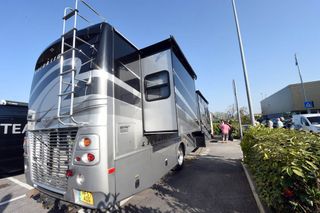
302 84
243 64
237 106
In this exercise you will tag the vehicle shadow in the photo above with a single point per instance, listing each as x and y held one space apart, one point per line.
133 208
3 204
208 184
50 206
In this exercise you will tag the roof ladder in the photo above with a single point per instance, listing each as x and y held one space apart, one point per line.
67 78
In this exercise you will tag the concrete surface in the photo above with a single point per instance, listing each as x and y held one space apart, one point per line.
14 198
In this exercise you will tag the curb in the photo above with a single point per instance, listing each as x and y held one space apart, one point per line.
253 190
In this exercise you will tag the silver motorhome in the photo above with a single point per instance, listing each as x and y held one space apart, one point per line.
106 119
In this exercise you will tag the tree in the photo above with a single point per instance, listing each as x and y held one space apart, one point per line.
231 111
220 115
245 118
244 111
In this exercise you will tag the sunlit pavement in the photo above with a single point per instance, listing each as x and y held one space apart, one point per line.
14 196
213 181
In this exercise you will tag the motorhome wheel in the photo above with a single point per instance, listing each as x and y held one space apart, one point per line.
180 159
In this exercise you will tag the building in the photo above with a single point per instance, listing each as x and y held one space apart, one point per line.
291 100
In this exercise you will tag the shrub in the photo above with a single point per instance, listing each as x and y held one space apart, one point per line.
235 129
285 165
216 128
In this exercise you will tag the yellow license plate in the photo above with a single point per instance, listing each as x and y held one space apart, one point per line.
86 197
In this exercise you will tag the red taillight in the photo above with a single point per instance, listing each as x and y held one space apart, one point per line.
69 173
78 159
111 170
90 157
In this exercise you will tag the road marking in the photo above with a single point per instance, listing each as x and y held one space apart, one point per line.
24 185
205 152
125 200
11 200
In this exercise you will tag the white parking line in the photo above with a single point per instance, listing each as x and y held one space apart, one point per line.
24 185
125 201
11 200
205 152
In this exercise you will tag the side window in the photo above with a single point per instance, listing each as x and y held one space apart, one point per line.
157 86
304 122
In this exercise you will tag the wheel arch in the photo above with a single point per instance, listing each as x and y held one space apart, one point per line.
183 147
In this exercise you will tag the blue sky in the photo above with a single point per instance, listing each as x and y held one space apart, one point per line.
272 31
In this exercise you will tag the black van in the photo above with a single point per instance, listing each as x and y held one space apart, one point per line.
13 121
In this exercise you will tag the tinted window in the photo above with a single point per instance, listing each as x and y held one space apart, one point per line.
50 58
204 112
122 48
304 122
314 120
127 69
157 86
185 85
52 53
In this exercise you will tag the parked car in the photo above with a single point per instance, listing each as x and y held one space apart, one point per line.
307 122
13 120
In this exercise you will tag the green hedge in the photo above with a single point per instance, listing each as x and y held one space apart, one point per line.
285 166
216 128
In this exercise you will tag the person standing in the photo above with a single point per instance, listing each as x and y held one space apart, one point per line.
230 137
225 131
279 123
270 124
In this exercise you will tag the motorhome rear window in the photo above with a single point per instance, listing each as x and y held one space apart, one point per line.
157 86
53 52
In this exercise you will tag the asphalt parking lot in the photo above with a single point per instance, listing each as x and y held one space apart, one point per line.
212 181
14 195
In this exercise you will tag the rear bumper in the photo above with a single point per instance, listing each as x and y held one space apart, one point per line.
102 200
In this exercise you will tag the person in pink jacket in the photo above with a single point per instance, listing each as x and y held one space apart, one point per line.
225 131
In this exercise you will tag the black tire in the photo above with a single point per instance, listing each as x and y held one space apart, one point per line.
180 159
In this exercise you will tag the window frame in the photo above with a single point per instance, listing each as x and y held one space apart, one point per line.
157 86
304 121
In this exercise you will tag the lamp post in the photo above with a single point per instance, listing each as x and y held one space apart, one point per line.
302 84
246 79
237 106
